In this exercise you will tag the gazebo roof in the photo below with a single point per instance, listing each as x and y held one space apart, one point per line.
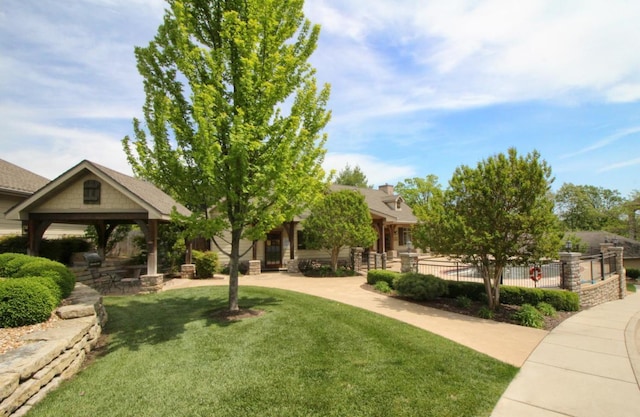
157 204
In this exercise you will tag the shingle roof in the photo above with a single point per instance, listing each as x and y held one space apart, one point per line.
382 204
156 202
17 180
594 238
144 190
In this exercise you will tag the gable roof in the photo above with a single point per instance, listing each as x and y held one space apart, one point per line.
383 204
594 238
19 181
157 203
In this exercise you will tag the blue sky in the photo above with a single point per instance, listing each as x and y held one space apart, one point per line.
418 87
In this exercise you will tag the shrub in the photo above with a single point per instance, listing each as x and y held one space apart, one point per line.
60 274
420 287
473 290
529 316
24 302
486 313
60 250
10 263
383 286
546 309
243 268
463 301
206 263
633 273
306 265
562 300
376 275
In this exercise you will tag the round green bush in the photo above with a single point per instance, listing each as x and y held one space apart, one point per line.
633 273
206 263
376 275
60 274
420 287
10 263
24 302
382 286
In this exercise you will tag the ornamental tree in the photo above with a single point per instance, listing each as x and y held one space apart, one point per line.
340 219
497 214
233 119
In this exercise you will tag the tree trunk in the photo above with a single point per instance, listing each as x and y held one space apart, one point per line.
234 263
334 259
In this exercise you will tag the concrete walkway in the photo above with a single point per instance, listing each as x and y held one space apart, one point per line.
587 366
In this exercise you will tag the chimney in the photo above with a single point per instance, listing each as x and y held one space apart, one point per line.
386 188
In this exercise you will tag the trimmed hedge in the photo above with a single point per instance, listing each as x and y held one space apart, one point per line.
420 287
59 273
633 273
376 275
559 299
206 263
31 283
24 302
60 250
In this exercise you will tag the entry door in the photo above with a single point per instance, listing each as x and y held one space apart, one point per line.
273 250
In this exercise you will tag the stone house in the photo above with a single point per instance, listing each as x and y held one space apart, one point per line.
392 219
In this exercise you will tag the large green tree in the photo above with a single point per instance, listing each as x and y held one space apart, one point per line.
498 213
352 176
340 219
234 115
420 193
586 207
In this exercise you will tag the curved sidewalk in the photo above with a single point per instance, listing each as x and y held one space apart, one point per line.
506 342
587 366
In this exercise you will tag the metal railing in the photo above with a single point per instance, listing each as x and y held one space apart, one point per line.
596 268
547 275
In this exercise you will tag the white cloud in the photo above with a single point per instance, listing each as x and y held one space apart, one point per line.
620 165
377 172
605 141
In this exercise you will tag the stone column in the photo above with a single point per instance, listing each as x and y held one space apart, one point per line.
188 271
356 258
151 283
408 262
571 271
254 267
622 273
292 266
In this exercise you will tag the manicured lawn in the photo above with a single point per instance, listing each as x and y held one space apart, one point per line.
169 356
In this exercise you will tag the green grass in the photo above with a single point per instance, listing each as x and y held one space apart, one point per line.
631 287
305 356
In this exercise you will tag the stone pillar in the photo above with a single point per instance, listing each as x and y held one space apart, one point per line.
622 273
384 260
408 262
254 267
571 271
356 258
151 283
292 266
188 271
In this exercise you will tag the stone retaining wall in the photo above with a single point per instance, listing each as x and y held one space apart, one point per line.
600 292
52 355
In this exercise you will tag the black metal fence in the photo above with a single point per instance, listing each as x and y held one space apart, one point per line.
596 268
547 275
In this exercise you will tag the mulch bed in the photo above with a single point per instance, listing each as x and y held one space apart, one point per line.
503 314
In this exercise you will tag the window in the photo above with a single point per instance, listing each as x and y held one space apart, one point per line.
91 192
404 236
300 239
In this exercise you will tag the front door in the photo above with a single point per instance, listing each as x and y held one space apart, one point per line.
273 250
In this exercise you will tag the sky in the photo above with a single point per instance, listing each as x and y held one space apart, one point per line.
418 87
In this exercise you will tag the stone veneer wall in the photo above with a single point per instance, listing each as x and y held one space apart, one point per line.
600 292
52 355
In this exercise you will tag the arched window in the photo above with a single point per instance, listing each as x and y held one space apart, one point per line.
91 192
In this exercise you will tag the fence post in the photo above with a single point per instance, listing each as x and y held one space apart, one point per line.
571 271
622 274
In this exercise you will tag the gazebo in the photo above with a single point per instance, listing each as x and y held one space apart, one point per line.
91 194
